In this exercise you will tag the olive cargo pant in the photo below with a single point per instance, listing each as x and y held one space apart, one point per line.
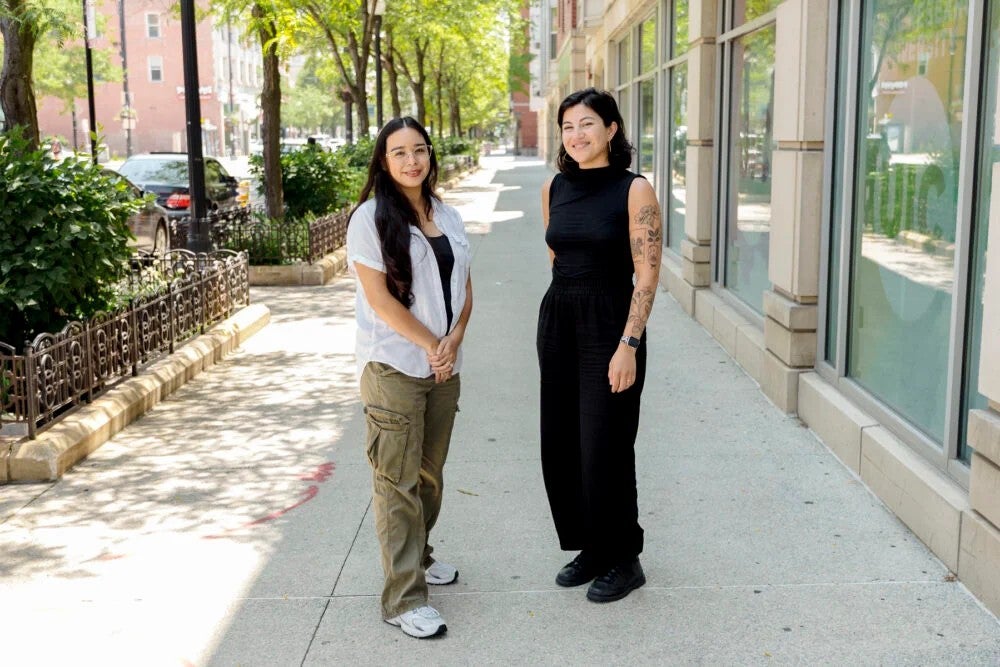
409 429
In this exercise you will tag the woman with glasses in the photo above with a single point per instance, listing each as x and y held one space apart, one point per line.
602 227
410 255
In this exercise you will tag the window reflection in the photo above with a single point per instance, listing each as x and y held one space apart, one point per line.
988 204
647 46
681 22
906 204
748 10
676 206
647 130
751 145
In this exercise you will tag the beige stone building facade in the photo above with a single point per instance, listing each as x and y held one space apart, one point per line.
829 175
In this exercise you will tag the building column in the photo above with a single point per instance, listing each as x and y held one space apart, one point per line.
979 551
696 253
790 310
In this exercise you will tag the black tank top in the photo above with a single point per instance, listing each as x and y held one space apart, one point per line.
588 225
446 263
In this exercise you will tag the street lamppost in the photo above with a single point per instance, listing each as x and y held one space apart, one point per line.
72 110
127 117
378 11
198 238
89 33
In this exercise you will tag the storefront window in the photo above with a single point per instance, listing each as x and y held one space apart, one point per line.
647 46
906 198
680 29
748 10
750 146
624 60
647 129
837 208
988 204
677 188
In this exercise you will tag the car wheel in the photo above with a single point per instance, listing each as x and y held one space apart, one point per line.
161 241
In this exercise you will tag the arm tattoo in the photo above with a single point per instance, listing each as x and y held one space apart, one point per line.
638 248
650 235
642 305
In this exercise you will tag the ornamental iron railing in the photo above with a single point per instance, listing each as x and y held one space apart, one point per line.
270 242
181 294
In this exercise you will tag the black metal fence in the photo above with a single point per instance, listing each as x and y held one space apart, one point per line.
269 242
182 294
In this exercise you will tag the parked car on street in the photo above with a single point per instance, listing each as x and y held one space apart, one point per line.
166 175
150 225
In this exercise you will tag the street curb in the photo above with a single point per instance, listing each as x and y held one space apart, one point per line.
302 273
56 449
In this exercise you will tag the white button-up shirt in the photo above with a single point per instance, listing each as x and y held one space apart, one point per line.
376 340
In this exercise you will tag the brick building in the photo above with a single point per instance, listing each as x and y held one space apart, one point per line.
229 73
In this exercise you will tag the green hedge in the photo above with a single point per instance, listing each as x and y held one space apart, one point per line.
64 240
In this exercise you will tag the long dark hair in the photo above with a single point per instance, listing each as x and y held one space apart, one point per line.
394 214
604 105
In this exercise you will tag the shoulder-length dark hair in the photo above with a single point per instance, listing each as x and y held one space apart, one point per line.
603 104
394 214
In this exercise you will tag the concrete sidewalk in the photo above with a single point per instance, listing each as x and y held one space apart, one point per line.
232 525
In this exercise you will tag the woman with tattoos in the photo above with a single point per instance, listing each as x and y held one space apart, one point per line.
602 227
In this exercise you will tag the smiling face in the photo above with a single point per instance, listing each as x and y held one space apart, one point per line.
407 158
585 137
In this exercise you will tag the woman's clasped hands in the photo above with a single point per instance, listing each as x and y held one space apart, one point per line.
442 359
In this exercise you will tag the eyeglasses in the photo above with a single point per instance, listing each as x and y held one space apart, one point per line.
420 153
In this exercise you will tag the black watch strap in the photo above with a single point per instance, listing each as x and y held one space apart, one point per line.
630 341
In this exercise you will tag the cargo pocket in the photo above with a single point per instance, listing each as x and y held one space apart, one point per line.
387 436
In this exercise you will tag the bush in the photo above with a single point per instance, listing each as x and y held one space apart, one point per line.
358 154
314 181
64 239
456 146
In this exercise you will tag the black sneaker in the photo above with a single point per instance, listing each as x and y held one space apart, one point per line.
578 571
617 582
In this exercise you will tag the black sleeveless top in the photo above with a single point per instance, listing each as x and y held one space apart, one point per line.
588 225
446 263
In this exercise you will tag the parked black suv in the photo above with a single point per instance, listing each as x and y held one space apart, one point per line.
166 175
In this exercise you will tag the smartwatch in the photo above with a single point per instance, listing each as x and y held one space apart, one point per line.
630 341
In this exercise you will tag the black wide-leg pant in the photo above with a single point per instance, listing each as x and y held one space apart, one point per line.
588 432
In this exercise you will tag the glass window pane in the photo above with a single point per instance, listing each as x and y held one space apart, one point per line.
988 202
624 106
906 196
751 144
676 206
748 10
647 45
680 29
837 208
647 129
624 60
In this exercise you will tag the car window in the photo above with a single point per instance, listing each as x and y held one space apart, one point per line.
155 171
213 171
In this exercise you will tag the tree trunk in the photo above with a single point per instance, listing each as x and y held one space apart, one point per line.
392 76
438 80
17 99
270 105
456 113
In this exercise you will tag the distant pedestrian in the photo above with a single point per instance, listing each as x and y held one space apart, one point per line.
410 255
602 227
56 150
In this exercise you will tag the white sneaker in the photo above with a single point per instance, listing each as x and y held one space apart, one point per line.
440 574
420 622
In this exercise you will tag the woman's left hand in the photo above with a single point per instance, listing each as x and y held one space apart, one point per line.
621 370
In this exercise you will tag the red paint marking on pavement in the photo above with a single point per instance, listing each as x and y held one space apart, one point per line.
323 472
309 495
